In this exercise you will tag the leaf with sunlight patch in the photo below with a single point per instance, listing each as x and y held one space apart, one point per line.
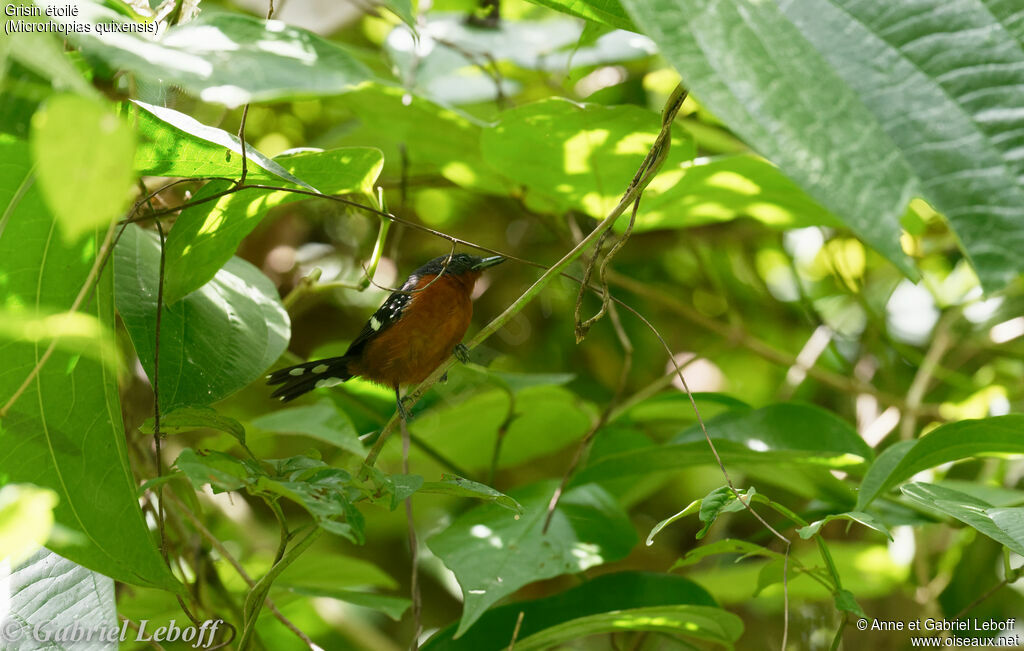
223 58
579 156
494 552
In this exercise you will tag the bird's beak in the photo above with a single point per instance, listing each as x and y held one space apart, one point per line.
488 262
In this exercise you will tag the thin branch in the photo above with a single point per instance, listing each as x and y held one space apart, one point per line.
414 585
582 327
941 342
241 133
515 631
157 436
233 562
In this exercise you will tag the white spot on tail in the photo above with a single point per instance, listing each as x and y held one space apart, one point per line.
374 323
328 382
320 368
297 371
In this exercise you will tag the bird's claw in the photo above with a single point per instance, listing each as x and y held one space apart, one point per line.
443 378
402 413
461 353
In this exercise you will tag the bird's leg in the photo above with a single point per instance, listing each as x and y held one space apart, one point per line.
461 353
402 413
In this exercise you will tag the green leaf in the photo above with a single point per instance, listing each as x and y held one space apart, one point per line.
950 442
226 58
213 342
609 593
176 144
749 65
435 139
322 421
580 156
318 488
403 9
711 505
967 163
859 517
77 333
461 487
65 432
26 518
516 382
845 601
609 12
493 552
393 607
221 471
83 157
720 189
401 487
43 54
186 419
692 508
787 432
206 236
865 137
50 594
1005 525
724 546
546 419
701 622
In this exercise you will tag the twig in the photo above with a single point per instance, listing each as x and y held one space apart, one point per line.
582 328
226 555
919 385
515 631
241 134
156 394
414 585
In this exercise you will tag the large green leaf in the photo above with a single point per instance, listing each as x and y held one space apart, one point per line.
547 418
213 342
701 622
1005 525
606 594
427 137
323 421
724 188
83 155
50 595
65 432
580 156
950 442
205 236
224 58
493 552
175 144
906 99
778 433
608 12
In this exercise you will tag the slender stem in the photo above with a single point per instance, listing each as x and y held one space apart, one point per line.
258 593
414 581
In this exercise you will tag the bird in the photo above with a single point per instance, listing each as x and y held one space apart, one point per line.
418 327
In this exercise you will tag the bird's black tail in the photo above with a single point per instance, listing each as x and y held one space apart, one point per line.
302 378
